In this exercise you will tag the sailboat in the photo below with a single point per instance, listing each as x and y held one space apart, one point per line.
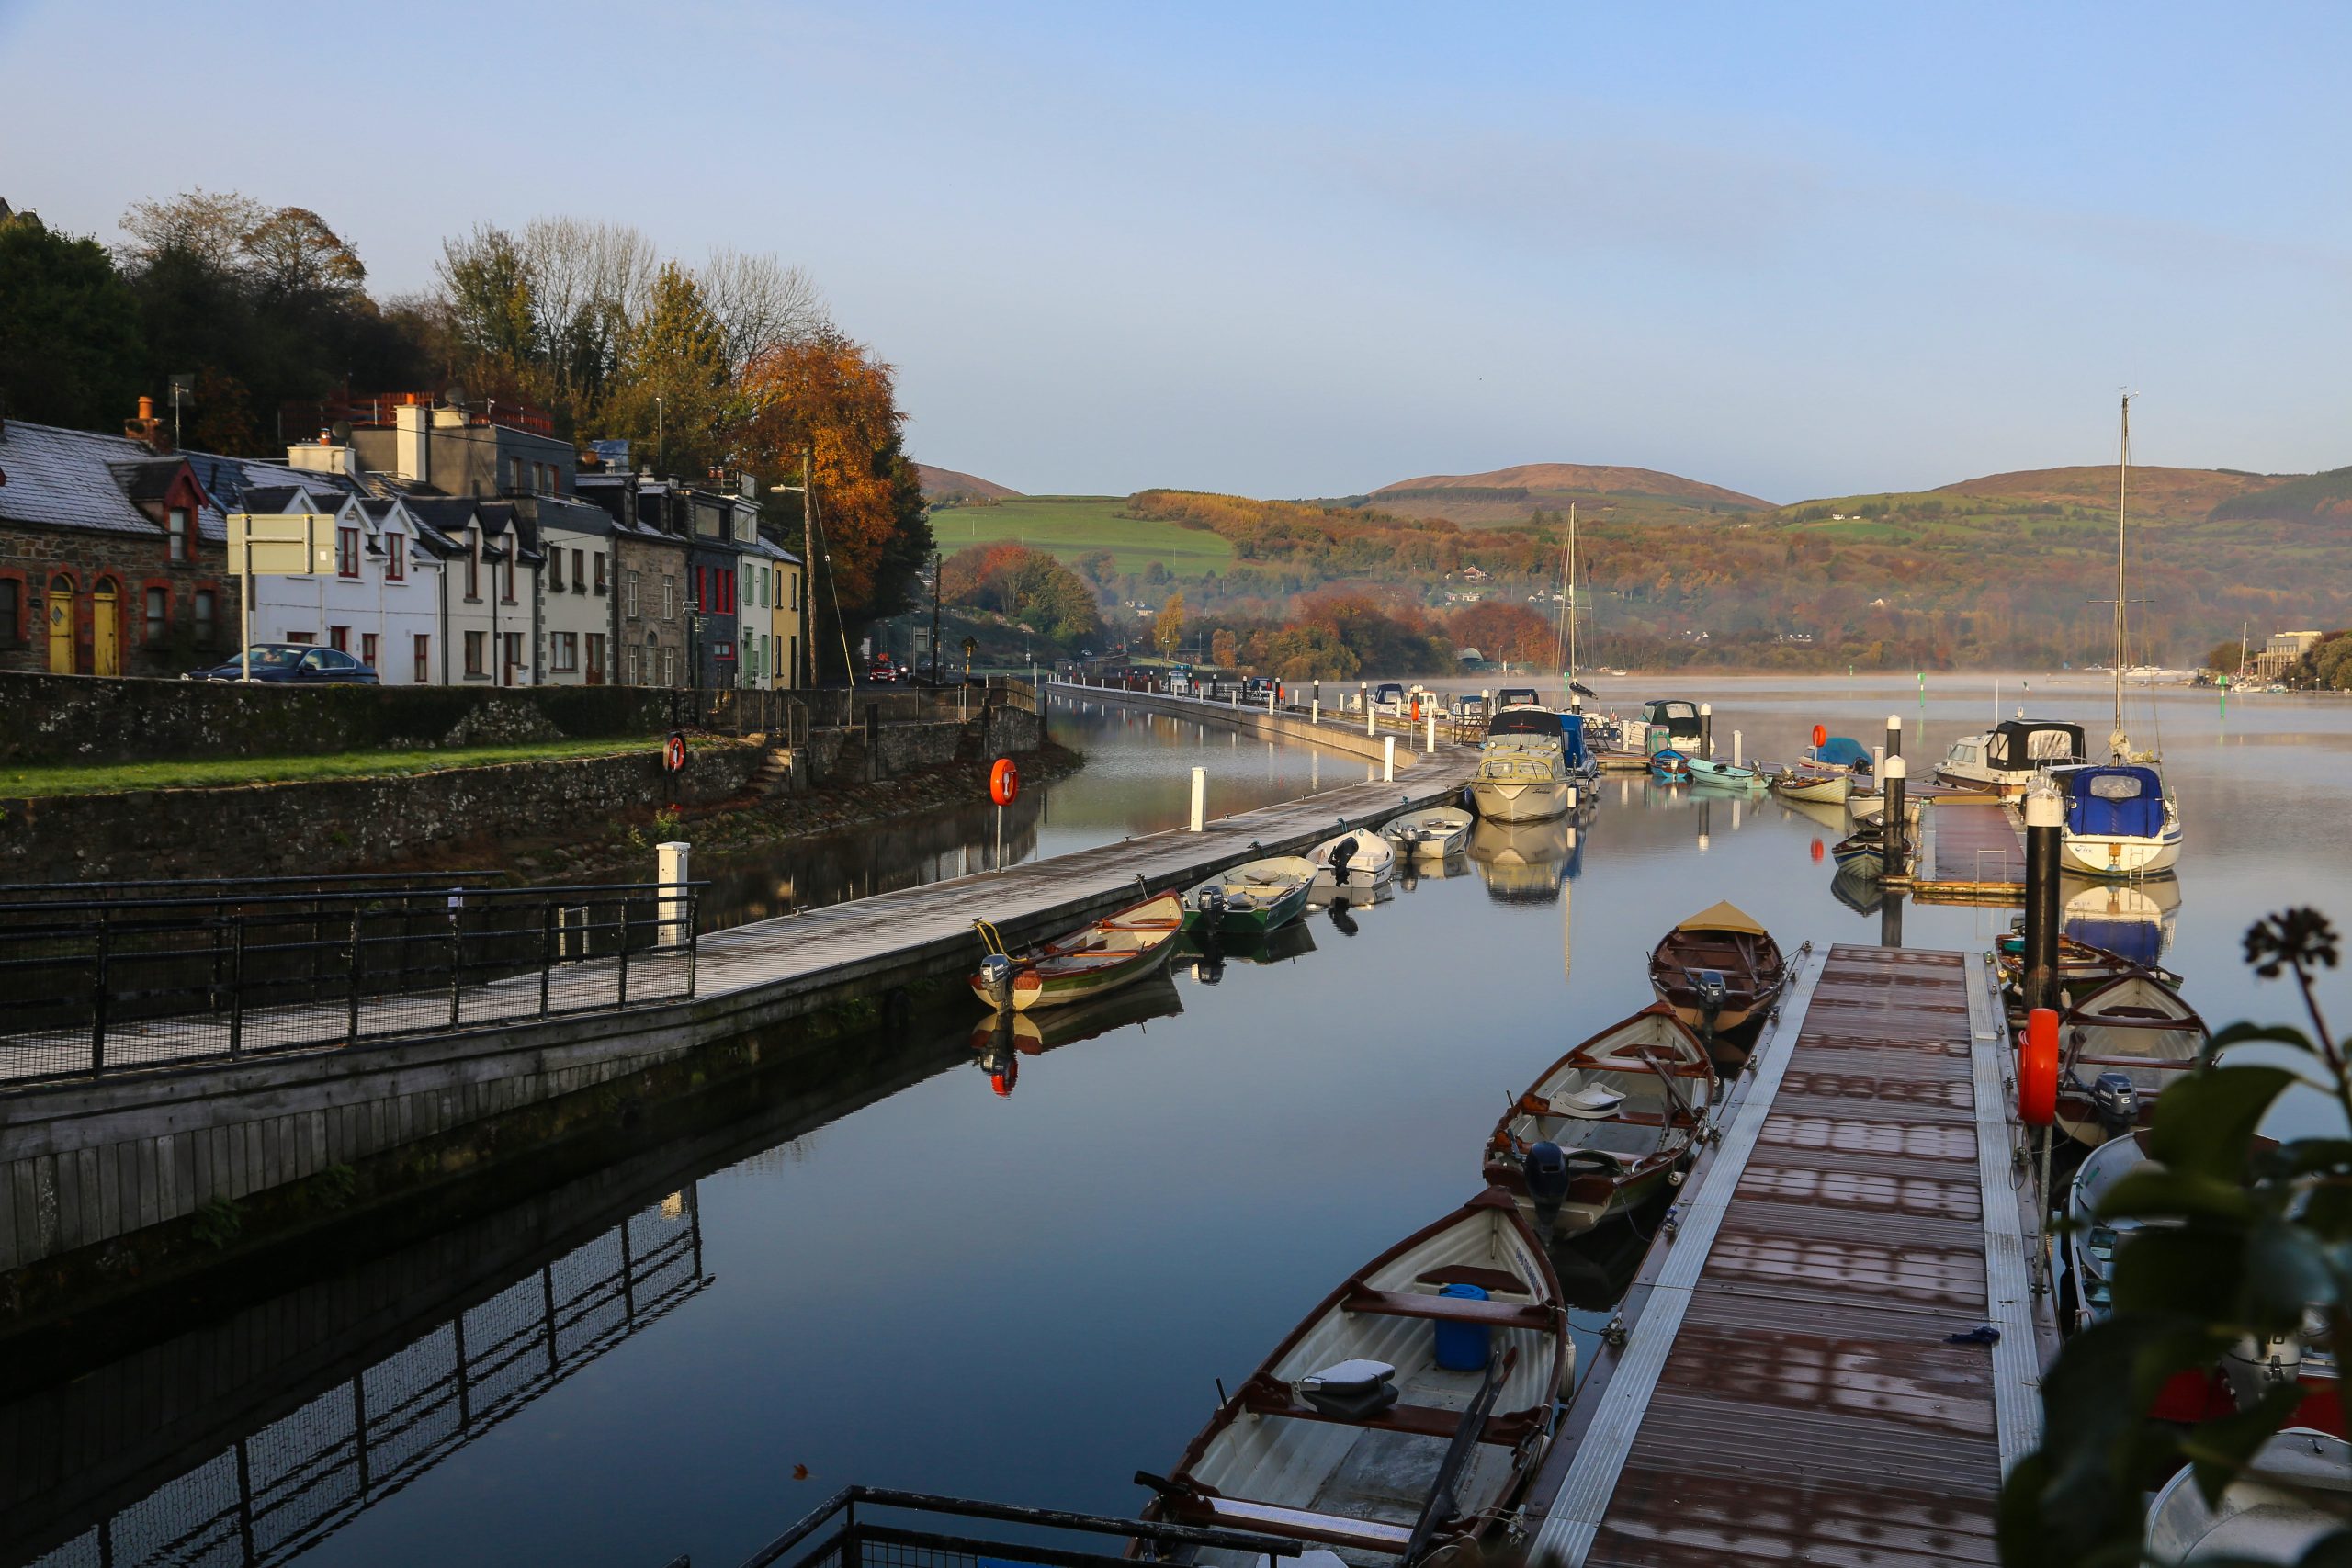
2121 819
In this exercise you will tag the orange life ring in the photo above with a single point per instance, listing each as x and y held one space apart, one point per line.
1004 782
673 754
1820 736
2038 1069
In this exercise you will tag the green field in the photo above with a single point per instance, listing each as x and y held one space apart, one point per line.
1068 526
216 772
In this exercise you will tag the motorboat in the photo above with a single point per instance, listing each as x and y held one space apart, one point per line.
2292 1494
1361 859
2007 757
1604 1128
1099 956
1256 896
1523 774
1719 971
1407 1413
1671 721
1432 833
2120 821
2120 1045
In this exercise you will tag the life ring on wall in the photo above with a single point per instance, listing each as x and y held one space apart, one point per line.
2038 1069
673 754
1004 782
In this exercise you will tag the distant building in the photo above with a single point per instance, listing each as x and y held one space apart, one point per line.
2282 652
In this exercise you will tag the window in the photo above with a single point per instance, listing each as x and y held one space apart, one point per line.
566 650
669 666
424 659
725 592
669 597
636 658
508 592
554 572
179 535
346 552
305 638
12 611
395 557
579 576
368 650
339 638
207 615
477 653
158 614
473 566
628 591
596 657
600 572
760 574
795 590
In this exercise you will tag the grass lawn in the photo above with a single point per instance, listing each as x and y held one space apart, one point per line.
20 782
1068 526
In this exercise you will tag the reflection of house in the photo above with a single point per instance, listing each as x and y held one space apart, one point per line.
2282 652
110 554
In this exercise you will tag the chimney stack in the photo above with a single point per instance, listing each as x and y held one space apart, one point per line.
147 430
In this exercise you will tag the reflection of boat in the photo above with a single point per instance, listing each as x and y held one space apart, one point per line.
1431 834
1426 870
1212 950
1718 970
2293 1492
1256 896
2118 1046
1828 818
2132 919
1523 862
1115 951
1408 1411
1523 774
2083 967
1860 890
1358 859
1598 1133
1035 1034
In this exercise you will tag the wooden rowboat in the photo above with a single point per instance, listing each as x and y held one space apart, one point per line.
1254 896
2118 1048
1604 1129
1746 969
1115 951
1814 783
1406 1442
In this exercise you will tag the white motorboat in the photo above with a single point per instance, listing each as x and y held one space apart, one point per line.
1523 773
1434 834
2121 822
1359 860
2008 758
2294 1492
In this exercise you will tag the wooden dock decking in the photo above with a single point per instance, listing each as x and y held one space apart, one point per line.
1787 1392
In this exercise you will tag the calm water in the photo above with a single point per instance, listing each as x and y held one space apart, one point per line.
907 1279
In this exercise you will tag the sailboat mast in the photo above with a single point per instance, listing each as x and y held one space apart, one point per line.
1572 603
2116 740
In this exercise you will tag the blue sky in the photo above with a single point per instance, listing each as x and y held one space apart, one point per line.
1299 250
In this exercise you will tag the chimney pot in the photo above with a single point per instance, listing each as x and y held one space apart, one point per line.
146 408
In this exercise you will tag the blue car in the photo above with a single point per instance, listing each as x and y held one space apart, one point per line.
291 663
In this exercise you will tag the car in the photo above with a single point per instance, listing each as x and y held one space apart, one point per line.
291 663
884 671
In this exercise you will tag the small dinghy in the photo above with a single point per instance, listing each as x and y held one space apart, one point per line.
1600 1133
1722 775
1254 896
1669 767
1359 860
1408 1412
2293 1492
2118 1046
1434 834
1810 780
1115 951
1864 854
1719 971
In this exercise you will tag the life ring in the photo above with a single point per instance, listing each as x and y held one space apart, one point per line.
1820 736
1004 782
673 754
2038 1069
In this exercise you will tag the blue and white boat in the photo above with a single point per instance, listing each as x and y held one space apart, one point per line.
2120 820
1670 766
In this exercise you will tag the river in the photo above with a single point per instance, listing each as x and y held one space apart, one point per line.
1025 1287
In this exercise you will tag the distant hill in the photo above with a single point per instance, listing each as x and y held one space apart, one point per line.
946 486
2155 492
2309 498
1504 497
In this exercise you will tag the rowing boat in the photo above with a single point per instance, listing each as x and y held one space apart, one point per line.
1436 833
1103 956
1670 766
1602 1131
2118 1047
1256 896
1408 1412
1722 775
1719 971
1807 783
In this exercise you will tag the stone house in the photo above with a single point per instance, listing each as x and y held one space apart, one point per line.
649 552
111 554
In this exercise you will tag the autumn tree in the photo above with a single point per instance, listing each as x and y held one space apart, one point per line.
1225 649
1501 631
1026 586
1168 626
673 390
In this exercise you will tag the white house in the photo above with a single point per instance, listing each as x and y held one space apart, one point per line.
578 585
380 604
489 589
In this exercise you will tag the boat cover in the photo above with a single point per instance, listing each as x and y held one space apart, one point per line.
2121 800
1843 751
1572 742
1724 916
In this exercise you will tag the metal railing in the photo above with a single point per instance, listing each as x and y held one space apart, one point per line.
835 1536
232 887
788 716
107 985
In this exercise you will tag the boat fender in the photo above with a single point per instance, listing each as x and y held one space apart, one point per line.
2038 1069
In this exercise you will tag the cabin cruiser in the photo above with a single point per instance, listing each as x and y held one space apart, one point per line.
2121 820
2008 757
1523 774
1677 719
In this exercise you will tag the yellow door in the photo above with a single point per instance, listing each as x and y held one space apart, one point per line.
106 632
61 626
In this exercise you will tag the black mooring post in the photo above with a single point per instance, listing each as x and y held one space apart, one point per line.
1707 730
2044 818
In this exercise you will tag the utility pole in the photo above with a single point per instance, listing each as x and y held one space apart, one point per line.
809 559
934 617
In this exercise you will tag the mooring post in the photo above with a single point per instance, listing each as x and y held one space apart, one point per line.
1893 736
1316 716
1388 759
1430 741
671 861
1199 799
1734 748
1890 831
1367 714
2045 816
1707 730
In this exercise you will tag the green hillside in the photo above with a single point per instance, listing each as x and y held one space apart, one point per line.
1069 526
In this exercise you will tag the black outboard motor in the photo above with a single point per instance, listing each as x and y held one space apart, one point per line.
1713 995
1342 853
1212 906
1547 1169
2117 1102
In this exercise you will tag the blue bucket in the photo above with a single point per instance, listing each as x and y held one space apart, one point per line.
1462 1347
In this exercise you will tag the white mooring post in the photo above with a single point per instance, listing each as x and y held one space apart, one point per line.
1734 748
1388 759
1430 741
1316 714
1199 799
1270 702
671 870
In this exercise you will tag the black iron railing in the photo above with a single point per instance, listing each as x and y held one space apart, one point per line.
105 984
789 716
838 1535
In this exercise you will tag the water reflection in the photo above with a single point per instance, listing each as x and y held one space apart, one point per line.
999 1041
1526 862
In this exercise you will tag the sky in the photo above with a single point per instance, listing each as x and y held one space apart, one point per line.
1299 250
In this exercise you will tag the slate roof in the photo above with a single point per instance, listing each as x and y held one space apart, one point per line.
79 478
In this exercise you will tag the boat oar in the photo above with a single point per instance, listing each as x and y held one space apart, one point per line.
1441 1507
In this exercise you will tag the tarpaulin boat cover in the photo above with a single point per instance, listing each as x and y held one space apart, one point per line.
2121 801
1572 738
1724 916
1843 751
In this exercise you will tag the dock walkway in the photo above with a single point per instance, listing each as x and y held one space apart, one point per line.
1787 1390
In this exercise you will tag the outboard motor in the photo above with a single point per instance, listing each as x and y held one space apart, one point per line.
996 977
1212 908
2255 1365
1713 995
1342 854
1547 1169
2117 1103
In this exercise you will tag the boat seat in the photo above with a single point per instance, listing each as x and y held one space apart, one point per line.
1418 1420
1452 1308
1593 1102
1492 1280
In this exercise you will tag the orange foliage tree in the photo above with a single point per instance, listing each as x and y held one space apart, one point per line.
1501 630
